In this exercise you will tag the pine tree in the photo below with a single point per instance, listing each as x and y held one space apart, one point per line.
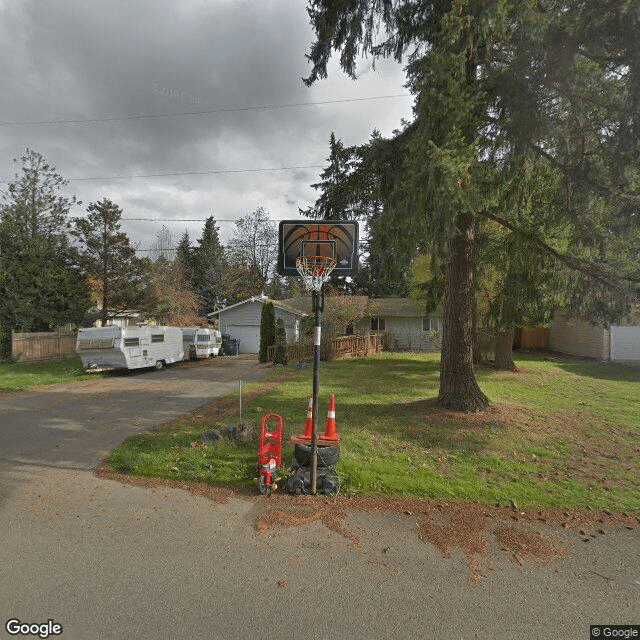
493 81
42 284
109 258
208 268
267 330
281 355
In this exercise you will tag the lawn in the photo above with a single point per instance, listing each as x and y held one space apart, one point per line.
559 433
27 375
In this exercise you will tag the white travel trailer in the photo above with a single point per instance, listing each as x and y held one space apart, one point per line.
129 347
201 343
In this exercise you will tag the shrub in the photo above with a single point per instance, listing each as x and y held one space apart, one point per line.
267 330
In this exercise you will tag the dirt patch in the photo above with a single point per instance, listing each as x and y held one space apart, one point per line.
527 543
469 527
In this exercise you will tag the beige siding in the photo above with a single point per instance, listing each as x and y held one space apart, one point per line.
578 338
290 324
405 332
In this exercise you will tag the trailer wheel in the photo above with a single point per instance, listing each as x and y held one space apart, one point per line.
158 365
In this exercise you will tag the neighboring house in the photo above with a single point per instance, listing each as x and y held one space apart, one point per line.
406 323
620 343
242 321
126 318
402 320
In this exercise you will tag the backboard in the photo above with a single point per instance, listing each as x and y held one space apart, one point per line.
333 238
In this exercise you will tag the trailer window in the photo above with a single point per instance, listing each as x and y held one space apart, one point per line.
157 337
204 339
131 342
95 344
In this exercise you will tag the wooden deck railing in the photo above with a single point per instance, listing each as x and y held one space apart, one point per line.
342 347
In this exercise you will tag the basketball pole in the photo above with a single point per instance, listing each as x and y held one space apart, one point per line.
318 304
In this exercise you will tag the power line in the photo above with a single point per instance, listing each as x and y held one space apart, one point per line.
190 173
198 113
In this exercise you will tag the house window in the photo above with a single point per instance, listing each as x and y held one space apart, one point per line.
431 324
378 324
157 337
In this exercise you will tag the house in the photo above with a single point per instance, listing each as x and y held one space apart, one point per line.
126 318
619 343
242 321
404 321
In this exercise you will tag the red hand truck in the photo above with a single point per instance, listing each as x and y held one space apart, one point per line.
270 453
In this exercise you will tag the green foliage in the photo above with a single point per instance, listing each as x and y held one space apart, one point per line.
5 344
207 268
525 116
42 284
281 355
267 330
109 258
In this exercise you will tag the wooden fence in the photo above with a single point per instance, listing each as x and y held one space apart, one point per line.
32 347
335 348
534 338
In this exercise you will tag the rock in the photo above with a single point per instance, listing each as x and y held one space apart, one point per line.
212 435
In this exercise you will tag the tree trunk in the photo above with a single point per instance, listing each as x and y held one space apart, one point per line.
458 387
504 351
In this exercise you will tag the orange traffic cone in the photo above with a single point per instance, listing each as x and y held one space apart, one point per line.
330 432
308 425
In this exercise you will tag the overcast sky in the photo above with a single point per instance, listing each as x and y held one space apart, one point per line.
70 60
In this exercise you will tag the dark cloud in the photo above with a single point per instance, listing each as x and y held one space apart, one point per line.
71 60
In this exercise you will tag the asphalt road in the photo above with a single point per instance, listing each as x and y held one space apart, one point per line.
73 426
107 560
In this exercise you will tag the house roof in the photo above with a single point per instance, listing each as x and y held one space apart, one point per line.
405 307
278 304
384 307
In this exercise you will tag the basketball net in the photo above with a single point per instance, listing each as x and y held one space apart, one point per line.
314 270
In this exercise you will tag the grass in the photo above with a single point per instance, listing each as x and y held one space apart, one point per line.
559 433
27 375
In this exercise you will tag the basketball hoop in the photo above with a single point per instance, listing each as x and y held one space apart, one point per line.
315 270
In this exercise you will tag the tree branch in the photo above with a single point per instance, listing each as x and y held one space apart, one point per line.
612 280
601 190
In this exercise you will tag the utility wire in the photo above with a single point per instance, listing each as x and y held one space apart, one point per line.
189 173
198 113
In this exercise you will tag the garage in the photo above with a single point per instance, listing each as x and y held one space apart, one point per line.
242 321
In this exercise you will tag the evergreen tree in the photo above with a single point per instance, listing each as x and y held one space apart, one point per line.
185 256
267 330
335 201
494 81
208 267
281 355
41 282
110 259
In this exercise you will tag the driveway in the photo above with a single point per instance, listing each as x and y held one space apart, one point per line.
75 425
106 559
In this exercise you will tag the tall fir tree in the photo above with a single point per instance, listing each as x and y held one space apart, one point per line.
208 267
493 80
109 258
42 284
